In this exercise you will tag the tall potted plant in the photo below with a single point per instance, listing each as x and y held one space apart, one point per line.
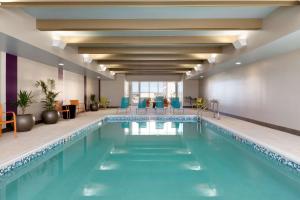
25 122
49 115
94 104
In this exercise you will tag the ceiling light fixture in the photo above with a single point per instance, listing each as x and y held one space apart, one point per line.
102 68
58 43
201 76
87 59
240 43
188 73
61 64
197 67
238 63
212 58
98 77
112 73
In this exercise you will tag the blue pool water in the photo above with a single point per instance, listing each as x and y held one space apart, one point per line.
151 161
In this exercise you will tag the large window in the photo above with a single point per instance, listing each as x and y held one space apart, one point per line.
152 89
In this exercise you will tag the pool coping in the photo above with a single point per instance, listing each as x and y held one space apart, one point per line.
266 149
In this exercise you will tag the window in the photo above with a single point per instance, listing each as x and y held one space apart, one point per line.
152 89
144 93
135 92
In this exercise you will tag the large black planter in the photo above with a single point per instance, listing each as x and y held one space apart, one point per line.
94 107
50 117
25 122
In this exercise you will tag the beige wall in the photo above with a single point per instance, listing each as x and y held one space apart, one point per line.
28 73
92 86
71 87
113 89
267 91
190 88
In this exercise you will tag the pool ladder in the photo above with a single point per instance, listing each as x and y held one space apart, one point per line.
212 106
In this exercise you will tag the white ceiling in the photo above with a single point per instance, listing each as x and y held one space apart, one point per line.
149 12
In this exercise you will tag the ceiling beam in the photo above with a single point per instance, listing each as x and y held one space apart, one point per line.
149 56
147 24
61 3
154 40
148 50
112 67
150 62
151 72
149 69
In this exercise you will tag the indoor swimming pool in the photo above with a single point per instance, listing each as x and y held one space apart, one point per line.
151 160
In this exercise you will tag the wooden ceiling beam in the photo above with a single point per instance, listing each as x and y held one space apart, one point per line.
149 69
152 40
148 50
77 3
151 72
149 56
150 62
113 67
147 24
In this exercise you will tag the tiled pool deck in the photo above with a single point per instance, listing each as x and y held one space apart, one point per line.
13 148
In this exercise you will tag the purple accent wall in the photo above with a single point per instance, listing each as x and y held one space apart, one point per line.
11 82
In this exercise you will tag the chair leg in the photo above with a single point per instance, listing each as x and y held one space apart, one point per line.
15 128
0 130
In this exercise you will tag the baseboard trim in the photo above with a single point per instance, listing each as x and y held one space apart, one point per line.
265 124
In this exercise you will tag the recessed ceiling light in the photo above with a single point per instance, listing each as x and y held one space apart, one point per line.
212 59
102 67
98 77
201 76
238 63
61 64
240 42
197 67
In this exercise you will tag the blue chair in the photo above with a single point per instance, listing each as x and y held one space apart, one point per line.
176 105
159 104
124 103
142 105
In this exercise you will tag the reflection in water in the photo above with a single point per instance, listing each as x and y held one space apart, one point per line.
118 151
183 151
206 190
94 190
195 166
153 128
108 165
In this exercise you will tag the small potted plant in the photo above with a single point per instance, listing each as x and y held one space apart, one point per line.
25 122
94 104
49 115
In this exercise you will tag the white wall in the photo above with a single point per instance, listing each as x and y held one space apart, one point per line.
71 87
92 88
267 91
190 88
28 73
113 89
3 82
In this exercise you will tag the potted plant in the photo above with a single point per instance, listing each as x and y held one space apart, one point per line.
94 103
49 115
25 122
